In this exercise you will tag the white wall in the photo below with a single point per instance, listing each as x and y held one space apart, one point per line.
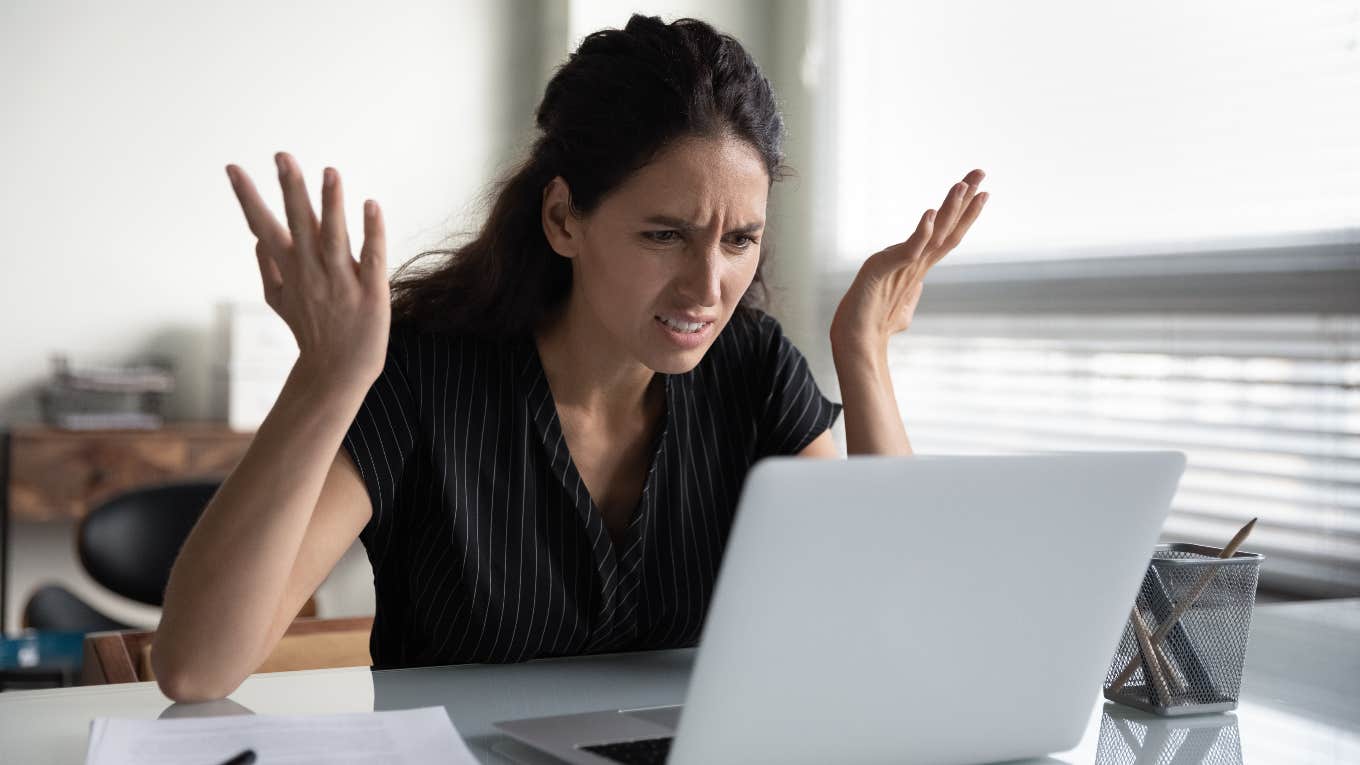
121 230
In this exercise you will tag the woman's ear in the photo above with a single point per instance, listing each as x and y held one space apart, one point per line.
560 225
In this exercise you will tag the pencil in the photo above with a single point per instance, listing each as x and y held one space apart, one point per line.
1151 661
1186 602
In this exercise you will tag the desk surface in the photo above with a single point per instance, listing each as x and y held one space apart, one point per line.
1300 701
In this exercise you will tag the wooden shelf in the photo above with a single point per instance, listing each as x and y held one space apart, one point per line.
57 474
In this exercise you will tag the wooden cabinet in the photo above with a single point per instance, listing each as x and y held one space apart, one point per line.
50 474
57 473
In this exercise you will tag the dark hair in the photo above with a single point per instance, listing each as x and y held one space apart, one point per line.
621 98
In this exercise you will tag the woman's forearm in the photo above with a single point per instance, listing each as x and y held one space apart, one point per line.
873 423
880 303
229 578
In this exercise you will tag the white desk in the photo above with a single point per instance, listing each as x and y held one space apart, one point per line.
1301 700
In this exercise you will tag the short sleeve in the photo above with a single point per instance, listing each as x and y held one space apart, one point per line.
794 411
382 437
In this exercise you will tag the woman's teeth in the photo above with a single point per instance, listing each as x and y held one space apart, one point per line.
682 326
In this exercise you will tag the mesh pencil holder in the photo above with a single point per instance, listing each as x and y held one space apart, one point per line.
1195 614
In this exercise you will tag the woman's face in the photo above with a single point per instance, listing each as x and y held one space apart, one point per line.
664 259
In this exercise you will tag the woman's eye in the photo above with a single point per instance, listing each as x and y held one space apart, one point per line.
741 241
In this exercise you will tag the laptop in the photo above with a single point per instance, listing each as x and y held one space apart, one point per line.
940 609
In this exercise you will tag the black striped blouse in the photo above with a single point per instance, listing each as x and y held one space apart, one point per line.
486 546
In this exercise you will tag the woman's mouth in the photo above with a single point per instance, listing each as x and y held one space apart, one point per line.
686 334
683 326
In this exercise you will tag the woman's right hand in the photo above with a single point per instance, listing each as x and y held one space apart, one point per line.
339 310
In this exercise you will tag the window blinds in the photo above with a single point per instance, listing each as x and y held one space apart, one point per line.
1266 408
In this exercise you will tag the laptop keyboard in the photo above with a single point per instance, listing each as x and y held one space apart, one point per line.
645 751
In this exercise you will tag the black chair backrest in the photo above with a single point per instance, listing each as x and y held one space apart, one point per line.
129 542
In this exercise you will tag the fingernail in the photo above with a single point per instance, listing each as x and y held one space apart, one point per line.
328 178
283 166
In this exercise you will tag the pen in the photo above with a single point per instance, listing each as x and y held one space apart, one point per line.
244 758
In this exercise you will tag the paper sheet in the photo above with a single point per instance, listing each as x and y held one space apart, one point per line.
402 737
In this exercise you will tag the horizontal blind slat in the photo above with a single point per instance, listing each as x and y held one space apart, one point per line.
1066 402
1152 434
964 441
1267 410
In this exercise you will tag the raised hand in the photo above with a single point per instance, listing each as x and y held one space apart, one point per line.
882 299
338 309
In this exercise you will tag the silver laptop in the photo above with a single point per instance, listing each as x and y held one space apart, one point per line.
867 610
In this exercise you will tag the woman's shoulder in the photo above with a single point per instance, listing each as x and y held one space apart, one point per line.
753 333
751 343
422 349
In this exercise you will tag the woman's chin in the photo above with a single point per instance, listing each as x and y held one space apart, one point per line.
674 362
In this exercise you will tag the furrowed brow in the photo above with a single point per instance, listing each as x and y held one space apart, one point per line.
686 226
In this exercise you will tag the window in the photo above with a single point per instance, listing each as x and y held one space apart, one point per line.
1165 125
1171 258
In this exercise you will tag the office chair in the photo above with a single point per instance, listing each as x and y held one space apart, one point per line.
128 545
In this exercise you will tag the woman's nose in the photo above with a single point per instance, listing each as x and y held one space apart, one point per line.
702 280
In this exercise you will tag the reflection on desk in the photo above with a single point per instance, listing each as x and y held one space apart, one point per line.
1132 736
1300 702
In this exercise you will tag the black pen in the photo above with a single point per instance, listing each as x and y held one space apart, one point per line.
244 758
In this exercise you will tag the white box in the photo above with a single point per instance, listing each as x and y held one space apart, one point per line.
251 393
255 336
257 351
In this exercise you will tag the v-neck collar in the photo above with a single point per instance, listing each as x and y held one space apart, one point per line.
611 563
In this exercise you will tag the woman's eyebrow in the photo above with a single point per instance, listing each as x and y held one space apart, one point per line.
684 225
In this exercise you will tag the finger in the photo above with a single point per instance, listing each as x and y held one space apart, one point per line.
271 239
301 218
270 277
904 253
973 179
269 270
965 223
261 221
373 255
949 213
334 230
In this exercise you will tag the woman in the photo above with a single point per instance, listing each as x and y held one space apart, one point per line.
541 441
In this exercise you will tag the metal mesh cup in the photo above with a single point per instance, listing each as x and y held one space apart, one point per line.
1196 609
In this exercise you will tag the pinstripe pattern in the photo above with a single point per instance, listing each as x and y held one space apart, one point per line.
485 544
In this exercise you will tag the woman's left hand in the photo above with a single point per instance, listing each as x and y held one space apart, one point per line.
883 297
